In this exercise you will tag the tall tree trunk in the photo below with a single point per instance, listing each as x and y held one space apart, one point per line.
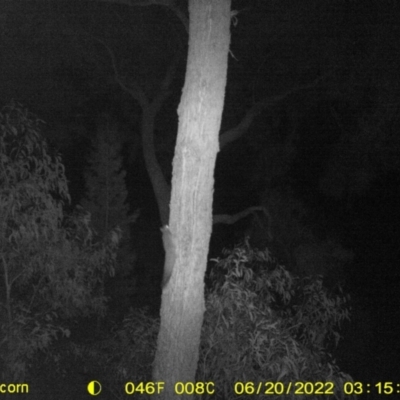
187 239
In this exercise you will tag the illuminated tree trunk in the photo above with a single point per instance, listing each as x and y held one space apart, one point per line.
190 220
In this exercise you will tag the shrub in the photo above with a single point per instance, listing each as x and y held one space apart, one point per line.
263 324
125 355
49 269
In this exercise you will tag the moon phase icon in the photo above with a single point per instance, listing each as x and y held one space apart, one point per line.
94 388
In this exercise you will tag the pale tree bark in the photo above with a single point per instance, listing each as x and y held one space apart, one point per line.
151 107
190 219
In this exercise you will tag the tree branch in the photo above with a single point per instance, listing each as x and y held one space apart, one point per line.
235 133
231 219
171 4
164 90
134 89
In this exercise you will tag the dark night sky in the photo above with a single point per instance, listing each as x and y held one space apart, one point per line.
345 130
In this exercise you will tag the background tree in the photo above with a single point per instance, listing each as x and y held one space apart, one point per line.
106 192
106 195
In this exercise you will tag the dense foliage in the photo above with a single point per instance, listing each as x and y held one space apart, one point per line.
261 324
50 271
264 324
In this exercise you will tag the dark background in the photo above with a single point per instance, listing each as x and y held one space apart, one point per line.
334 146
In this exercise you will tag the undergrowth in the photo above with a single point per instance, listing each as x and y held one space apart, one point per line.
262 324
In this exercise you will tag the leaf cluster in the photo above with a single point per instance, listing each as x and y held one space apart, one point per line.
49 269
264 324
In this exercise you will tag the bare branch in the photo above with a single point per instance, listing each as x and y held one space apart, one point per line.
231 219
134 89
182 17
171 4
235 133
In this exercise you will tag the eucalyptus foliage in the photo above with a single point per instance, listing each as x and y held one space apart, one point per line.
264 324
49 270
